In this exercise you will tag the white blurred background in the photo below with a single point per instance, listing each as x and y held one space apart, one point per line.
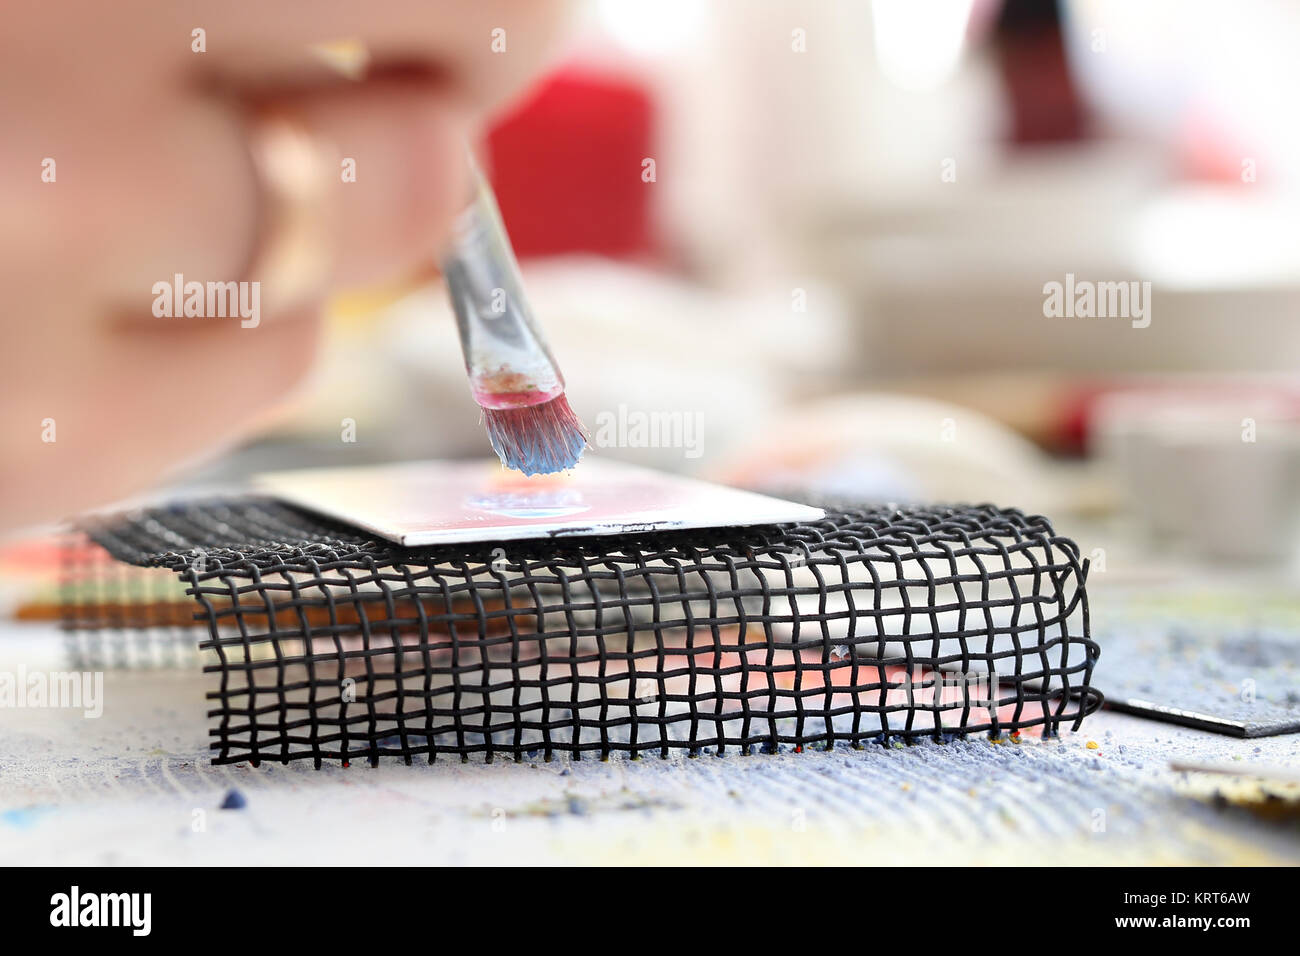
839 263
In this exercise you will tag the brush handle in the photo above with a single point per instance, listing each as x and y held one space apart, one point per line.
506 356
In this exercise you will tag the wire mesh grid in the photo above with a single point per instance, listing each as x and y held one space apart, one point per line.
874 624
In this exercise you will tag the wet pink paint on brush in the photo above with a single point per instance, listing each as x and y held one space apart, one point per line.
517 399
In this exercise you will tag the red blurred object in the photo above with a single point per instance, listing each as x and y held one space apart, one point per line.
566 167
1078 418
1043 104
1210 151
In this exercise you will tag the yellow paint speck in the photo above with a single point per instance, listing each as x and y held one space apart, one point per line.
1093 745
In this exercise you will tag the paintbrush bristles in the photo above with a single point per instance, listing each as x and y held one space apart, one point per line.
537 439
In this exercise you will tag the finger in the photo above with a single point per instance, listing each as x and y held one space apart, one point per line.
399 174
393 175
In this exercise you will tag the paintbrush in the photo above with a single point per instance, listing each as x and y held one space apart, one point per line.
512 374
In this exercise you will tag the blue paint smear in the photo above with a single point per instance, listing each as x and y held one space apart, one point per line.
24 817
538 440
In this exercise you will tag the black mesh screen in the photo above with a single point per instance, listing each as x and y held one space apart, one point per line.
874 624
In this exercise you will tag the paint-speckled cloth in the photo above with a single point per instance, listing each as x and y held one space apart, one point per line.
135 786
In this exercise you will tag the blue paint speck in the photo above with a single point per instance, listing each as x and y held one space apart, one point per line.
23 817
